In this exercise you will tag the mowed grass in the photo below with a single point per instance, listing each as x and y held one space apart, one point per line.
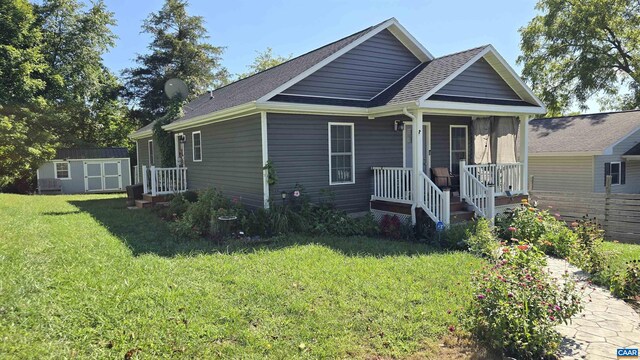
81 276
617 257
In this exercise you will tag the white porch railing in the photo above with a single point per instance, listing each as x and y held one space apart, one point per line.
136 174
505 177
161 181
435 202
392 184
476 193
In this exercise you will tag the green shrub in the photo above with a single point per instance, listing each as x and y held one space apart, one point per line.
198 215
589 254
517 305
481 241
178 205
626 283
454 236
559 240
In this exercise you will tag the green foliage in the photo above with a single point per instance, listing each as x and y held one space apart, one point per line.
272 175
481 241
574 49
626 284
559 240
263 61
196 220
165 139
589 253
178 49
454 236
517 305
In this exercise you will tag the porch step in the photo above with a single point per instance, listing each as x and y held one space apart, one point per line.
457 206
461 216
144 204
155 199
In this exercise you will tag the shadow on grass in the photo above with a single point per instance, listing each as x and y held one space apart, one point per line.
60 213
145 233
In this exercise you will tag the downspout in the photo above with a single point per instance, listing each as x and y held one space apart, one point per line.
414 203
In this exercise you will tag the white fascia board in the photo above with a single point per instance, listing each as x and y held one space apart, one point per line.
232 112
609 149
284 107
409 41
631 157
138 136
480 109
565 153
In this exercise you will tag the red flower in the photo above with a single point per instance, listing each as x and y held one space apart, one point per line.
523 247
512 229
452 328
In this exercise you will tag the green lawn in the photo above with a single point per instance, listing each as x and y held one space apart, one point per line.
81 276
617 257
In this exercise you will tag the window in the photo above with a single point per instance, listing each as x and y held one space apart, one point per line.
151 153
617 171
341 154
62 170
458 135
196 145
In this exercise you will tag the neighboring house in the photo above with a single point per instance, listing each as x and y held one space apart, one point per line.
339 120
576 153
88 170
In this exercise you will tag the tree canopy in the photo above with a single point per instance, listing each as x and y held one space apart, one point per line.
178 50
577 49
263 61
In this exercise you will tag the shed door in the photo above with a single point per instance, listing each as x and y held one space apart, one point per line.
102 176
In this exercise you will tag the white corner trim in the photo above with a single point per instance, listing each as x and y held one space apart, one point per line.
144 134
609 149
353 152
265 158
391 23
193 146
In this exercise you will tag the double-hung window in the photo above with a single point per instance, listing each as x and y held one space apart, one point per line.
341 154
196 145
617 171
62 170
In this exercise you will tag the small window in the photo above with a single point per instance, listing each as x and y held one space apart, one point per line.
617 171
62 170
341 153
151 153
196 145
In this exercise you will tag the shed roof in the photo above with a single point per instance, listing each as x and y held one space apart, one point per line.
92 153
581 133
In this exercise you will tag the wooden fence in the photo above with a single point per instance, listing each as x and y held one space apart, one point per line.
619 214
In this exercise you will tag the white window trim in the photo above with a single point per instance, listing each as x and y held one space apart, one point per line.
619 172
353 152
55 170
466 143
151 153
193 146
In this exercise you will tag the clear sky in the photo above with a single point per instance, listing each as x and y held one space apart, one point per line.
295 27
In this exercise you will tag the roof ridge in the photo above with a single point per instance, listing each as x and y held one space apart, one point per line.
589 114
462 51
299 56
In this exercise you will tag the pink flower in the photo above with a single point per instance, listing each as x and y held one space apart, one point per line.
552 318
296 193
481 296
512 229
510 295
452 328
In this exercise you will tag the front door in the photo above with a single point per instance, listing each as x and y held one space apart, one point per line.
408 146
180 140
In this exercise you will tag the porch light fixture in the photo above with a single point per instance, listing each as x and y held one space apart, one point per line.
398 125
283 194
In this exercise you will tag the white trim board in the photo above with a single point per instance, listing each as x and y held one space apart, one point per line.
265 158
565 153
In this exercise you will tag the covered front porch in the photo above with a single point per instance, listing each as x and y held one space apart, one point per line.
483 158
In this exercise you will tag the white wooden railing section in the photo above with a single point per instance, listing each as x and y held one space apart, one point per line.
435 202
392 184
162 181
476 193
504 177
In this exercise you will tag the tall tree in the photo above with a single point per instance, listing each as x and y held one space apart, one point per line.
179 49
263 61
85 94
26 137
576 49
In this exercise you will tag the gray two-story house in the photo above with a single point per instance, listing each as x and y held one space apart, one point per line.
342 119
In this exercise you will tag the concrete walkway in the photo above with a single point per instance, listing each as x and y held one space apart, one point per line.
605 325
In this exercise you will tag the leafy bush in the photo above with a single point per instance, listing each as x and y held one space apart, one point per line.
196 220
481 241
589 254
454 236
179 205
626 284
559 240
517 305
390 226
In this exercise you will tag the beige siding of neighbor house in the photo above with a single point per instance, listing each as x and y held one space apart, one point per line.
562 173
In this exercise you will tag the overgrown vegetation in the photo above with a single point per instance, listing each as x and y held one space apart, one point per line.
83 277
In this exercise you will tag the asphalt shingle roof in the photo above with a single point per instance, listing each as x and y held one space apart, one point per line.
590 132
92 153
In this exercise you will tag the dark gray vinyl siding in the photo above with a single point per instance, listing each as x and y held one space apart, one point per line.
298 147
231 159
479 80
440 141
361 73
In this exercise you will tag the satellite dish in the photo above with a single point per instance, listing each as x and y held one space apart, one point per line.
176 87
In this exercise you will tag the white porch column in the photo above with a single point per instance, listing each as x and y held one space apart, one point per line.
524 153
418 155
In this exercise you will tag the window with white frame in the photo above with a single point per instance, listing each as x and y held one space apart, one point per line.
62 170
459 143
196 145
617 171
151 153
341 153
